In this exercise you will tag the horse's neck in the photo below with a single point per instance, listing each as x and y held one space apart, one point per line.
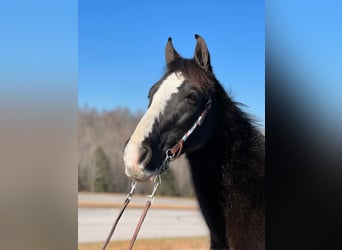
205 167
208 161
207 180
225 168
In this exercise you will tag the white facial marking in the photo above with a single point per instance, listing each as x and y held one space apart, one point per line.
168 87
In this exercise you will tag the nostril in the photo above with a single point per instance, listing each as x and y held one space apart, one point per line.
145 154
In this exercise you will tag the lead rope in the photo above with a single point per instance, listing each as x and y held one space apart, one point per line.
128 199
150 198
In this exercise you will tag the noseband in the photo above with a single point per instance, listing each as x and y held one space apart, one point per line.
176 150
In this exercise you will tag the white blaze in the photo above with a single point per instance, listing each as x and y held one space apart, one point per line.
168 87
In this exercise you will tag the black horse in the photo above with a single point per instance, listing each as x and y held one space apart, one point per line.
189 112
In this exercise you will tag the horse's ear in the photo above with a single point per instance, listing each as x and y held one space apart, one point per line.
170 53
202 56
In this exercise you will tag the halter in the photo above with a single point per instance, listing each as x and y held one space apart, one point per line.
171 154
176 150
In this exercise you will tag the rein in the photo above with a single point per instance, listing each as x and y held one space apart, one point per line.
171 154
149 200
128 199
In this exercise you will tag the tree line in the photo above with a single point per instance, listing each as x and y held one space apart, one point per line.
101 138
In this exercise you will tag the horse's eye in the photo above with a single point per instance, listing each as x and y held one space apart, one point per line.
192 97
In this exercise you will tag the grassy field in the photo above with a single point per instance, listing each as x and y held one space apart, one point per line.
197 243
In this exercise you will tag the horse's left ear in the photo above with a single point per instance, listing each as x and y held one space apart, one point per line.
202 56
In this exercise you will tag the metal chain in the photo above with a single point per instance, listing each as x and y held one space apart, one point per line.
165 164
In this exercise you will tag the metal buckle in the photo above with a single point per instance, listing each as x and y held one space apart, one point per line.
157 182
169 155
133 186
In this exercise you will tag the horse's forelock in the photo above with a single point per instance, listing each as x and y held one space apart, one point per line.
203 80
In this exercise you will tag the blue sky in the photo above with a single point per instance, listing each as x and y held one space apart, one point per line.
121 48
306 37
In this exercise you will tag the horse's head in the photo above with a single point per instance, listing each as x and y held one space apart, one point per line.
176 103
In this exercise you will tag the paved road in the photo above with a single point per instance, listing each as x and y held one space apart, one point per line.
94 224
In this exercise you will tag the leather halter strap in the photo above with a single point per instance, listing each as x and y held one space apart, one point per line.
176 150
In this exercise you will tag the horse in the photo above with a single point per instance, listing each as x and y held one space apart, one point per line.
190 113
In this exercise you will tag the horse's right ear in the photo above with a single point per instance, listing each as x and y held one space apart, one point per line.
170 53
